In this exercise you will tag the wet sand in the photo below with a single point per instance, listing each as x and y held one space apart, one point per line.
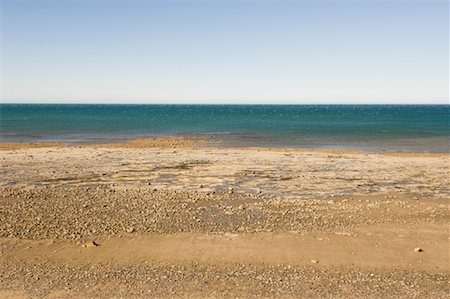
180 218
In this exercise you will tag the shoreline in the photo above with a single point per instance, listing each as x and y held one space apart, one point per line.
197 142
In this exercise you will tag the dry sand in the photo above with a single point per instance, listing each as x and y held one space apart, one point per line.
176 218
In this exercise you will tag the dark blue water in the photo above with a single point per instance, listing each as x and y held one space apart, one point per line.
412 128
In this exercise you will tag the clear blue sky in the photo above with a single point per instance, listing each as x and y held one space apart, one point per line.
225 51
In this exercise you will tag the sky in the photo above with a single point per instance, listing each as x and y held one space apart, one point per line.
225 51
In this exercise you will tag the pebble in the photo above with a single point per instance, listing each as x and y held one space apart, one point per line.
91 244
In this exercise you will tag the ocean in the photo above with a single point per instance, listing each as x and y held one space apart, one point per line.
381 128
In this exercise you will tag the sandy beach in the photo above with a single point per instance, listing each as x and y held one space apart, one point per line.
182 218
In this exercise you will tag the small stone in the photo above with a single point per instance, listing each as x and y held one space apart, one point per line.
91 244
418 249
130 230
314 261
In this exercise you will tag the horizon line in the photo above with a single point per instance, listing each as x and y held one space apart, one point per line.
222 104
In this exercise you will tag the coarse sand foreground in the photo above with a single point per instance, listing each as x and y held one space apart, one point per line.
180 219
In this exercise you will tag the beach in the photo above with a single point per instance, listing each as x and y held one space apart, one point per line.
180 217
224 149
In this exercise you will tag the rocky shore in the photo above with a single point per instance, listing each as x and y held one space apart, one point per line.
178 219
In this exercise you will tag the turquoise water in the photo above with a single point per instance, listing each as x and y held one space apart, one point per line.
414 128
